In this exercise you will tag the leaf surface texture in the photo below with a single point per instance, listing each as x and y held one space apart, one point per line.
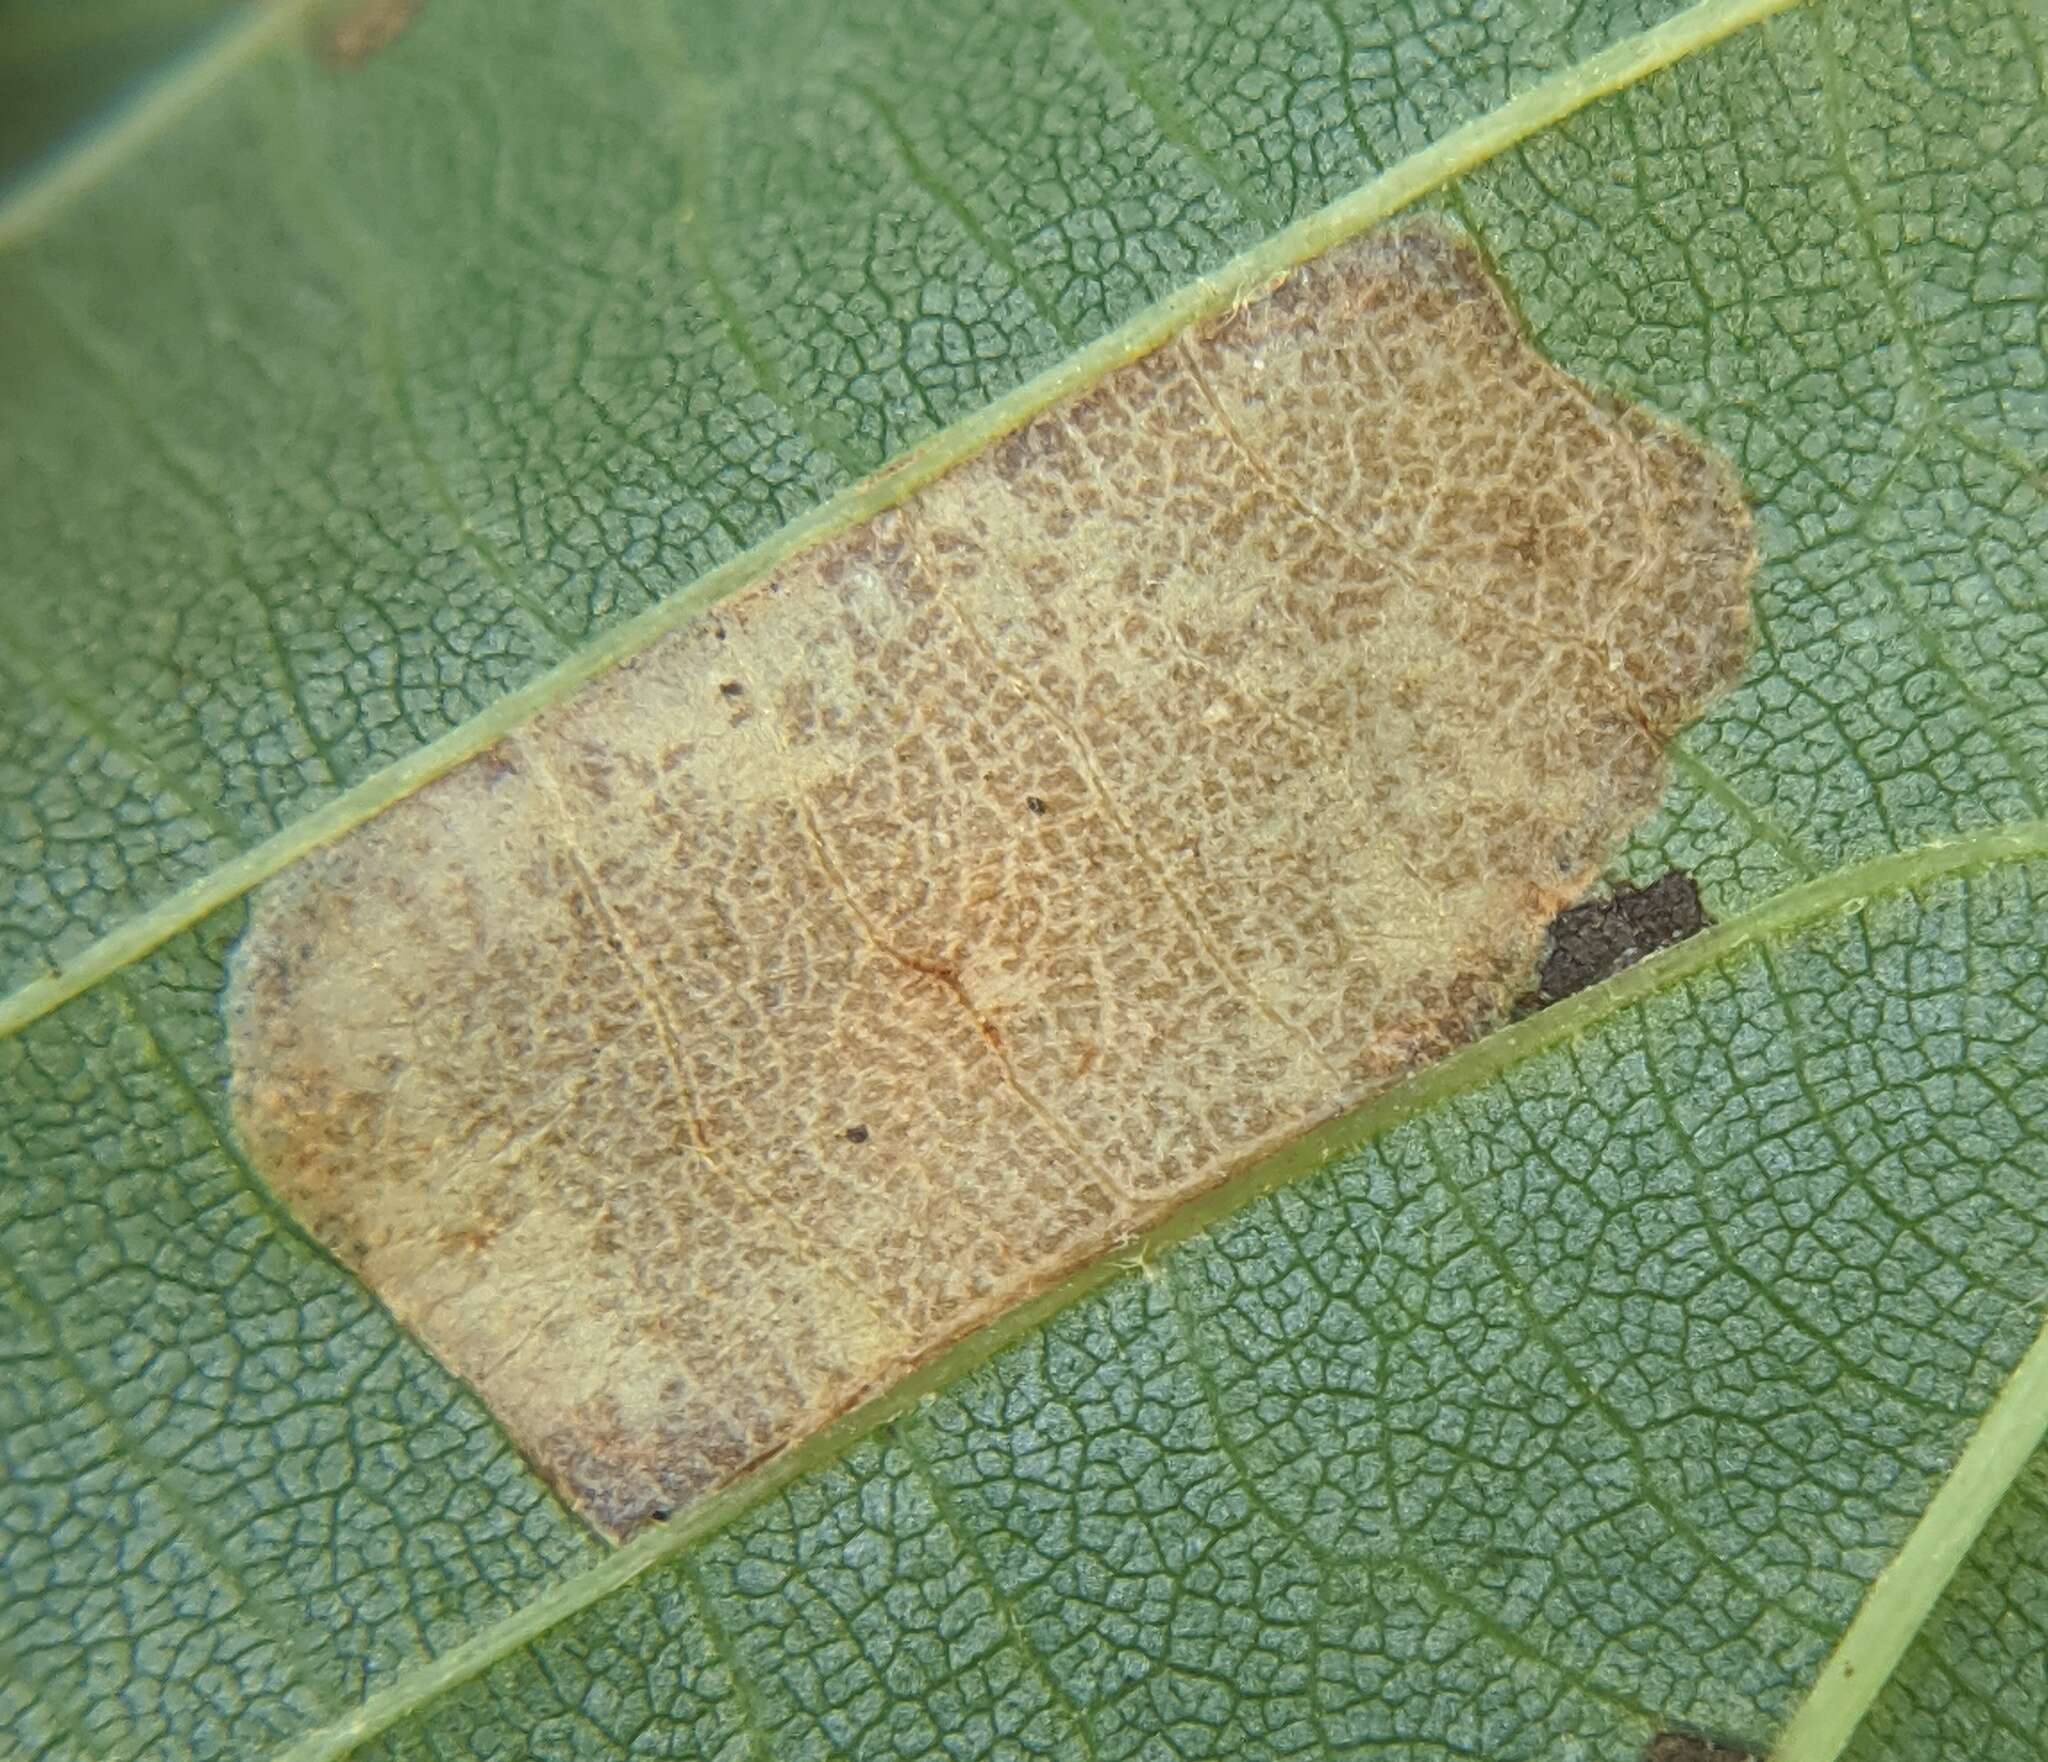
1590 1399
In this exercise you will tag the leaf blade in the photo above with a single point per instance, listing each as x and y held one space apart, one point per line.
1761 375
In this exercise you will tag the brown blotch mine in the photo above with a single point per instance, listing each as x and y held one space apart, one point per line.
349 34
1347 633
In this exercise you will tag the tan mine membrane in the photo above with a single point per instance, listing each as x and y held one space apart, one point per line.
1200 759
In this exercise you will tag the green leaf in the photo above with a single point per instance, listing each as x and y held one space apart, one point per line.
1585 1387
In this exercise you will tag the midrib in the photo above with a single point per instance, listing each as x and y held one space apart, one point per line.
1613 69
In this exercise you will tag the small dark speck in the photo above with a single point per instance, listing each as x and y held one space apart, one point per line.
733 688
1035 804
856 1134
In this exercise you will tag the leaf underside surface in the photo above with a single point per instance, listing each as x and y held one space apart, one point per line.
1587 1391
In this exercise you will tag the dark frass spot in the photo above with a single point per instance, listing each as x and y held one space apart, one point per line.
1685 1746
1596 940
856 1134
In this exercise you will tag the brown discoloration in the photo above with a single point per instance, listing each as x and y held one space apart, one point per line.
1344 634
1684 1746
349 34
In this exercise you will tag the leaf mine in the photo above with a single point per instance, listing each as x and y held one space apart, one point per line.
1201 758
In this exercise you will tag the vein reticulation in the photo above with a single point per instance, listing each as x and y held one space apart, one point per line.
1201 758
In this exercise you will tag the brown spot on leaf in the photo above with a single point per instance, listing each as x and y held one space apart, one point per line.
1597 939
1684 1746
350 34
1346 631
